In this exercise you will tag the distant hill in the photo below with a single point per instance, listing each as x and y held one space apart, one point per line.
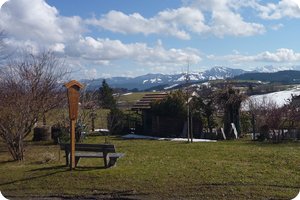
156 81
284 77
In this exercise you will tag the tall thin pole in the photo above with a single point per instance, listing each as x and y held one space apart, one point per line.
188 103
188 122
192 134
72 141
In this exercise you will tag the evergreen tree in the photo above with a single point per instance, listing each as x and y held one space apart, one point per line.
231 99
174 105
106 98
204 109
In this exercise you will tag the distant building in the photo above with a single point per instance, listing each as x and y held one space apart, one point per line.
158 125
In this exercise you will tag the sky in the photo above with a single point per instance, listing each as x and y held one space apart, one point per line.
105 38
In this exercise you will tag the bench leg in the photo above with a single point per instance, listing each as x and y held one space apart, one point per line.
67 159
76 161
106 160
112 161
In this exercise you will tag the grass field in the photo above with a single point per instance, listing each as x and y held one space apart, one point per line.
158 170
62 115
133 97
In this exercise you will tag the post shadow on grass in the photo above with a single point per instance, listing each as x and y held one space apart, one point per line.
123 195
78 168
3 150
6 161
65 169
40 176
88 168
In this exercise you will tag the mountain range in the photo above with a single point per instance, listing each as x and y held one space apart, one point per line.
283 77
172 80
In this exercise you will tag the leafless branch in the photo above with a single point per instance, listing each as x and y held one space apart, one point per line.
29 87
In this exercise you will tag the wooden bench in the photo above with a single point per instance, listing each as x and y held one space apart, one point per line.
105 151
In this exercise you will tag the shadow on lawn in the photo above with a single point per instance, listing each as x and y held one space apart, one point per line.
59 169
123 195
115 195
6 161
272 144
88 168
246 185
78 168
64 169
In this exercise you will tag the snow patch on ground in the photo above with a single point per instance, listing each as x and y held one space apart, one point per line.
134 136
155 80
101 130
280 98
169 87
182 78
129 93
193 78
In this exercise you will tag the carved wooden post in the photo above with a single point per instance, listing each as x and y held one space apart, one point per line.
73 99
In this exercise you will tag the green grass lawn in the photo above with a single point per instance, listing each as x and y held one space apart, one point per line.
158 170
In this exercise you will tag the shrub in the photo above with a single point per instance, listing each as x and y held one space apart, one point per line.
264 133
172 106
60 133
41 133
117 122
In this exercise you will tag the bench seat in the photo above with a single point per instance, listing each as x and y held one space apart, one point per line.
105 151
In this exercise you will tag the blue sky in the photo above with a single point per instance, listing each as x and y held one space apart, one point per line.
133 37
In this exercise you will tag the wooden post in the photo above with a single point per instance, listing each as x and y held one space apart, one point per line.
192 129
73 99
188 120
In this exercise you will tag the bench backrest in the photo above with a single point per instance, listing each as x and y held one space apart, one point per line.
106 148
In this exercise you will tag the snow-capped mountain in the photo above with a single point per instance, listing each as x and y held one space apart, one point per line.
152 80
271 68
221 73
171 80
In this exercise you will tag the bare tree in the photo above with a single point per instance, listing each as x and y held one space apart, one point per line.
267 116
254 110
2 47
87 112
293 112
29 87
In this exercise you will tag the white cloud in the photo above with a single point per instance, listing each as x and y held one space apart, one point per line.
91 73
37 26
277 27
112 50
38 22
58 47
279 56
284 8
168 22
229 23
271 10
225 18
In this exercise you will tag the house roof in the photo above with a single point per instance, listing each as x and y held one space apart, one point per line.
145 102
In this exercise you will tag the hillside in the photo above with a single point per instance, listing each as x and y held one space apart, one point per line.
145 82
157 81
284 77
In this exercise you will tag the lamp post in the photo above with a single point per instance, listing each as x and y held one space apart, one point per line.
73 88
